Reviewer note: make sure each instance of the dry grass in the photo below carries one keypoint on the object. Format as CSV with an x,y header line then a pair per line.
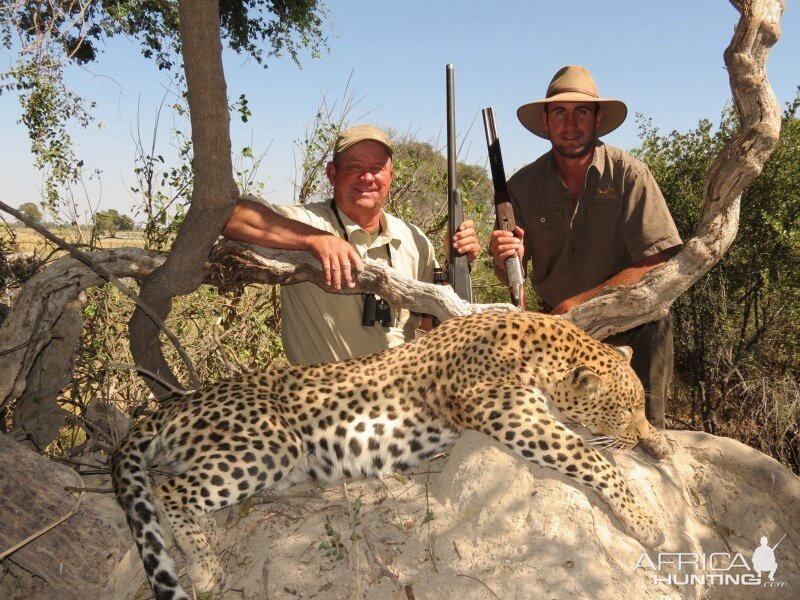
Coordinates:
x,y
27,240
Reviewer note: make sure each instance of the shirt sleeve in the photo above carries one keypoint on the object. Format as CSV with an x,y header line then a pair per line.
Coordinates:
x,y
427,262
648,227
316,214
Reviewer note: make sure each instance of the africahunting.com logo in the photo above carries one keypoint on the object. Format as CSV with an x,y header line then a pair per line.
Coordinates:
x,y
717,568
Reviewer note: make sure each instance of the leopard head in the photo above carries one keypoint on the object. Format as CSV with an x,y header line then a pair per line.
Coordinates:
x,y
607,398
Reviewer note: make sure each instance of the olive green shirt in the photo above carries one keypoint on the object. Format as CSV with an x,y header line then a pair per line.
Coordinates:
x,y
620,219
319,326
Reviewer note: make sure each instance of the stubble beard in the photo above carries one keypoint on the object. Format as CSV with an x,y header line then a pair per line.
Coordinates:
x,y
579,152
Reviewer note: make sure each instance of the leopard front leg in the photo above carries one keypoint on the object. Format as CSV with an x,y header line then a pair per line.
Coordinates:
x,y
519,419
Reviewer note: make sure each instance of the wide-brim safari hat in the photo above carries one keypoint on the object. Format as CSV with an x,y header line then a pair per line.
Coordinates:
x,y
572,83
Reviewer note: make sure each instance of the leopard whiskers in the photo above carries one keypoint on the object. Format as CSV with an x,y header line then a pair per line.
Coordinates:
x,y
606,442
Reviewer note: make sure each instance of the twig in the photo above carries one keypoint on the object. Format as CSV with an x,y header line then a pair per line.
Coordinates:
x,y
141,371
716,525
108,276
93,490
15,348
428,519
265,578
222,353
384,569
43,530
479,581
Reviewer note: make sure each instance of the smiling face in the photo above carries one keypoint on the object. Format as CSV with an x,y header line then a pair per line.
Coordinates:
x,y
361,177
572,127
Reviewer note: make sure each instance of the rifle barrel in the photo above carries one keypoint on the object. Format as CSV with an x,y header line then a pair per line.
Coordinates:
x,y
452,183
458,267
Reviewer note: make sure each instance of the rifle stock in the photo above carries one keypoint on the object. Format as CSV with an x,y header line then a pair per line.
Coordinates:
x,y
503,208
458,265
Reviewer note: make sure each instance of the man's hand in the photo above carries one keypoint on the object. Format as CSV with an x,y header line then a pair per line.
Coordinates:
x,y
505,244
567,305
466,241
338,259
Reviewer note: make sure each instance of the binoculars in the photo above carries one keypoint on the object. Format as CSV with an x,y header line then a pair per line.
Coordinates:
x,y
376,310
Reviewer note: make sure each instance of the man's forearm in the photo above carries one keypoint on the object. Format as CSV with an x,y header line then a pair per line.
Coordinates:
x,y
255,223
630,276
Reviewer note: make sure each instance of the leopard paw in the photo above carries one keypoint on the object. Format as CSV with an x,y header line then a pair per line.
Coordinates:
x,y
645,528
655,444
205,574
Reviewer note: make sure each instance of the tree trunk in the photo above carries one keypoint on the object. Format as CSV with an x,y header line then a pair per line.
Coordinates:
x,y
89,555
214,193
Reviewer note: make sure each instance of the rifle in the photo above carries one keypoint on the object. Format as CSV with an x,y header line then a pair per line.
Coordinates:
x,y
503,208
458,265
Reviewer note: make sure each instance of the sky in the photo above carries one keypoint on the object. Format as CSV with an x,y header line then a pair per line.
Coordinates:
x,y
664,59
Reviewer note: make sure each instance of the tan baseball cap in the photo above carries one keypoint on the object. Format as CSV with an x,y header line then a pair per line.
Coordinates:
x,y
572,83
360,133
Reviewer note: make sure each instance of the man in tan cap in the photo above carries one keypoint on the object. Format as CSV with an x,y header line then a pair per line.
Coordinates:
x,y
320,326
590,216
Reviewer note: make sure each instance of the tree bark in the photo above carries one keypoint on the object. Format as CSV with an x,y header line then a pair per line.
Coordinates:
x,y
85,556
214,193
742,159
28,330
38,415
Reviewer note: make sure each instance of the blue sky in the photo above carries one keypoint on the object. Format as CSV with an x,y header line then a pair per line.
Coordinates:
x,y
664,59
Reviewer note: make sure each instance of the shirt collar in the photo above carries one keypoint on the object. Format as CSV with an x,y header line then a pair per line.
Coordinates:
x,y
387,231
598,160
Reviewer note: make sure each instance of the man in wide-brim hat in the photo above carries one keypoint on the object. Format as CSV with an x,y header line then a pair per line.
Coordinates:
x,y
590,216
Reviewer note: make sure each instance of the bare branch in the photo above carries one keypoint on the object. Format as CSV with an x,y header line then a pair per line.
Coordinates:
x,y
28,327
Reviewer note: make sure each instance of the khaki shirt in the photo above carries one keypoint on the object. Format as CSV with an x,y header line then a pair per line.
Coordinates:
x,y
620,219
319,326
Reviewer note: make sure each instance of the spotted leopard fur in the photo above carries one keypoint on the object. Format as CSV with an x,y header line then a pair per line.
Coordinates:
x,y
491,372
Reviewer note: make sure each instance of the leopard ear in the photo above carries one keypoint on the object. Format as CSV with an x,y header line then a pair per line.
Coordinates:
x,y
583,378
626,351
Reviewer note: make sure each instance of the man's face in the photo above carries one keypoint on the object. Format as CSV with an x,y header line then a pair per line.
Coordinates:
x,y
361,177
572,127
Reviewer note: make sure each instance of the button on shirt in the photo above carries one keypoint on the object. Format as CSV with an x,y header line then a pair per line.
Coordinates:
x,y
620,219
319,326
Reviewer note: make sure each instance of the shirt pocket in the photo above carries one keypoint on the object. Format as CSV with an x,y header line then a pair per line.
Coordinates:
x,y
604,218
546,218
548,234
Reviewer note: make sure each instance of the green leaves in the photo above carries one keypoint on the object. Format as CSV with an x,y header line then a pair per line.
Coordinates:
x,y
737,338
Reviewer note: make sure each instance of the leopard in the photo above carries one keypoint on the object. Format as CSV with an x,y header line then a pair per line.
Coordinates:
x,y
529,380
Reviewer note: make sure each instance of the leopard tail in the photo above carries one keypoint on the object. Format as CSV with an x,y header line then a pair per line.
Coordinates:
x,y
132,488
